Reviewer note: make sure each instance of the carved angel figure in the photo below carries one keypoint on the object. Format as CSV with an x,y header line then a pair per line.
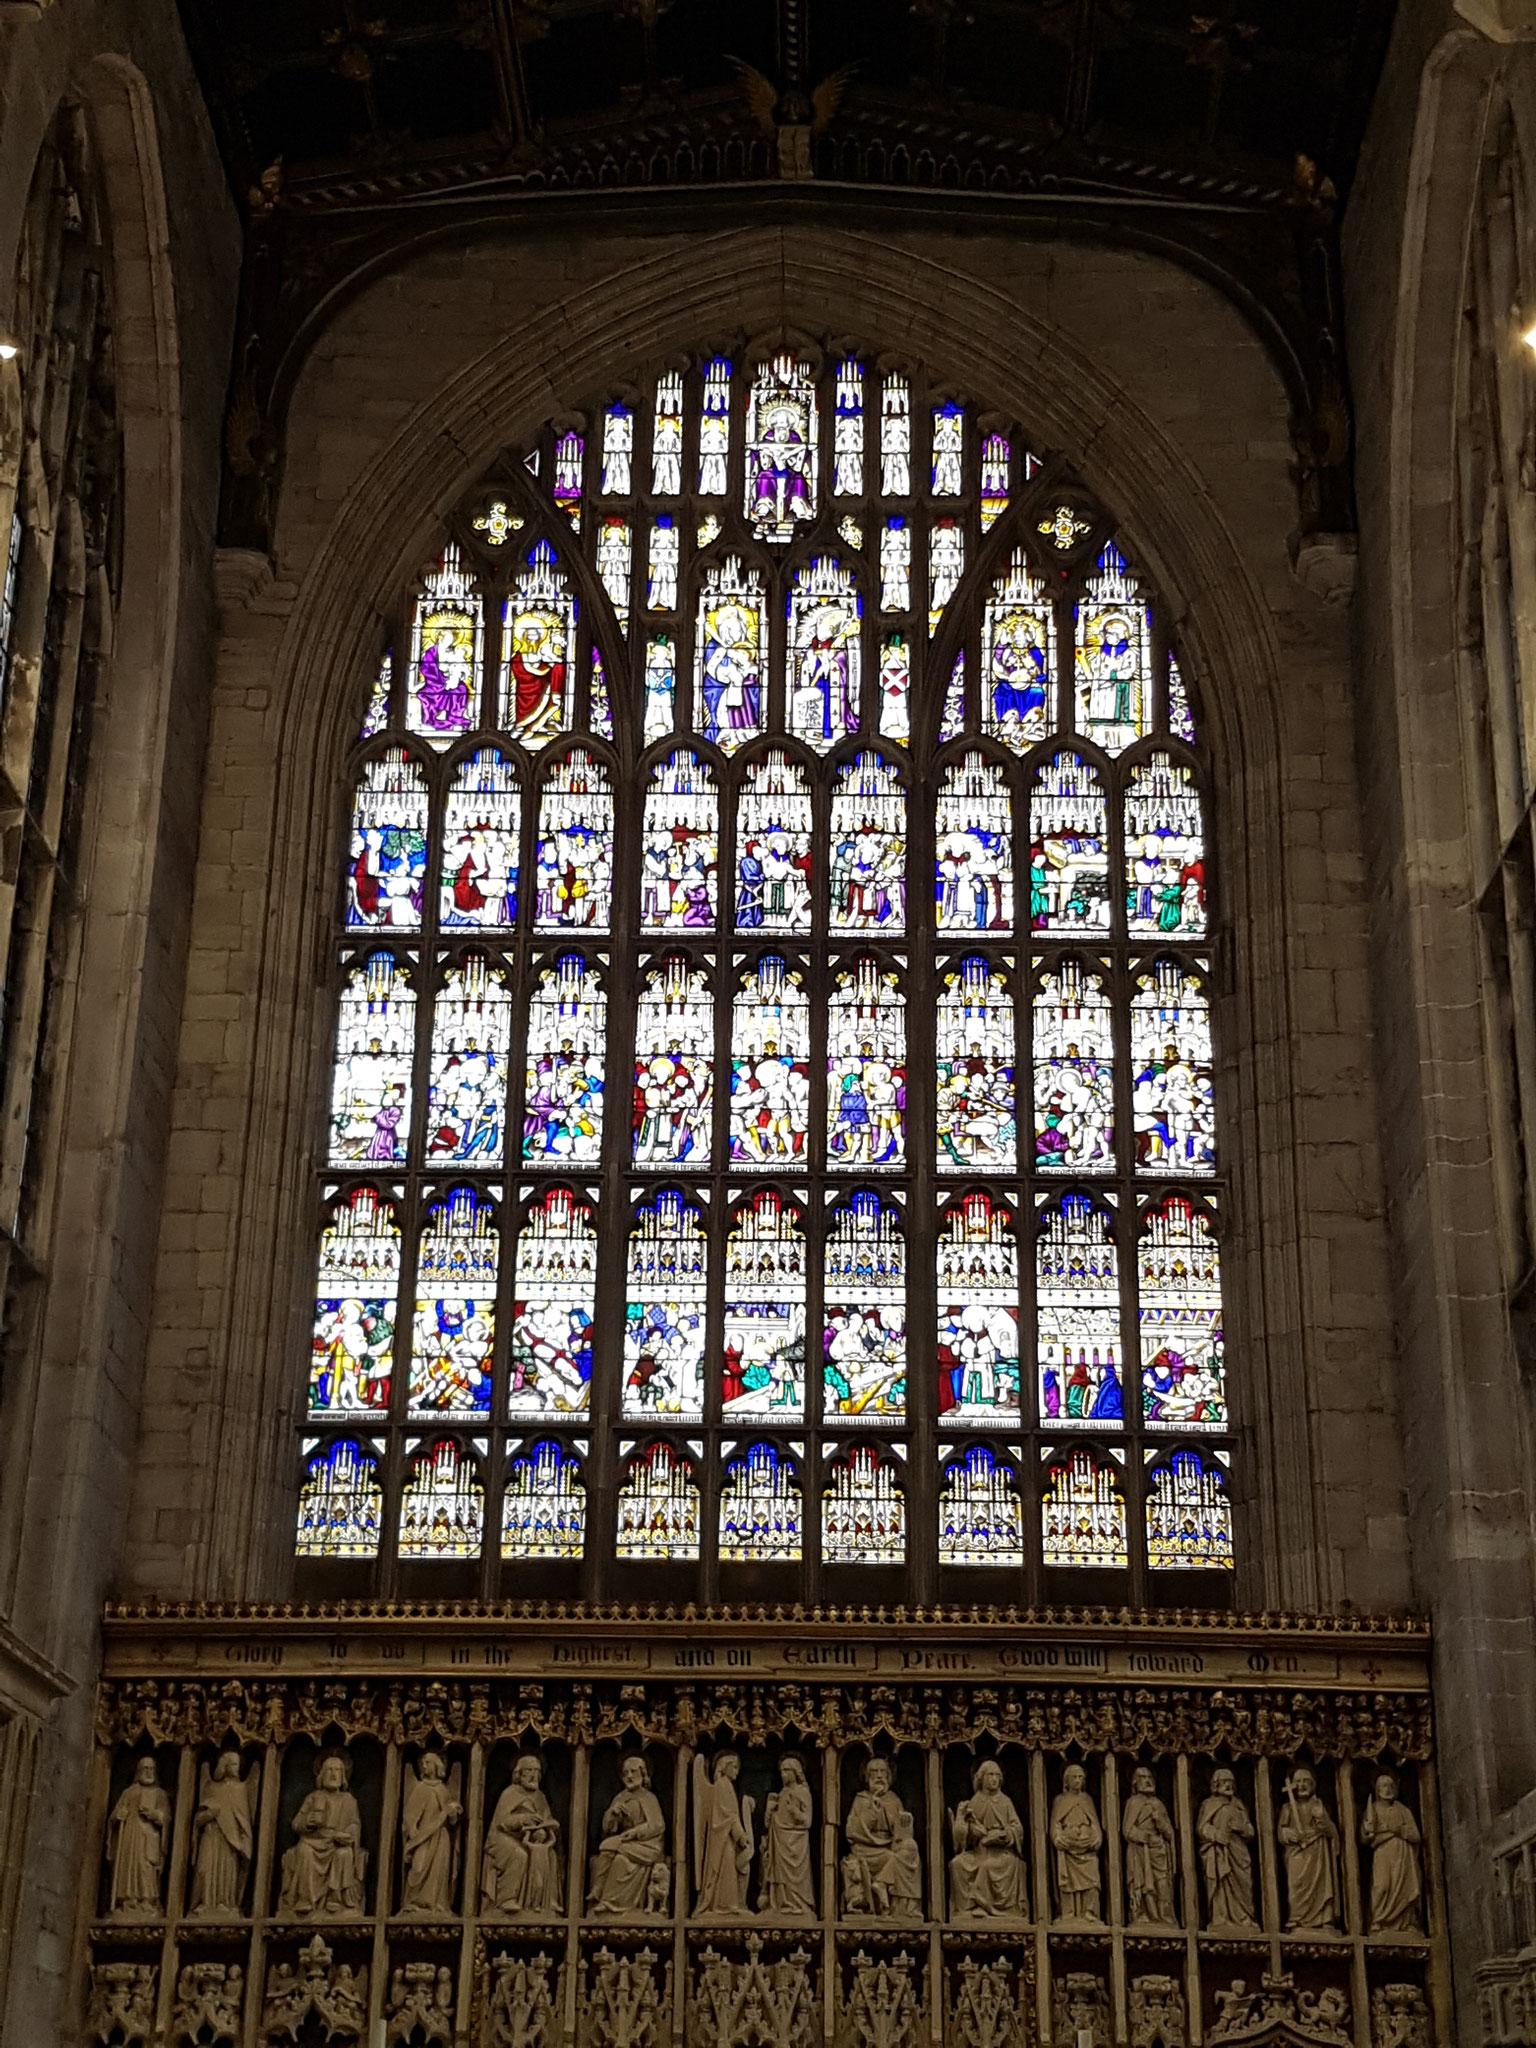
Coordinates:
x,y
223,1837
429,1836
722,1839
882,1872
986,1872
520,1872
323,1872
138,1834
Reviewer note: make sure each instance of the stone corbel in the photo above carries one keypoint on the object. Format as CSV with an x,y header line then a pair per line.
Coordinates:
x,y
1324,563
241,576
1502,21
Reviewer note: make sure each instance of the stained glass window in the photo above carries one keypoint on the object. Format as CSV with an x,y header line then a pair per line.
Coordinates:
x,y
782,448
1018,657
863,1510
544,1504
994,480
658,1507
1082,1513
618,450
773,847
660,686
674,1067
386,873
864,1371
467,1086
1189,1521
1074,1072
354,1330
537,628
567,1036
770,1067
667,437
455,1330
981,1517
371,1077
895,566
661,578
952,719
866,1069
822,689
1068,849
341,1504
973,843
1114,660
730,642
895,687
554,1301
1077,1316
615,558
447,653
760,1508
1182,1375
442,1504
375,718
948,450
715,430
679,846
895,438
1171,1101
574,855
482,836
978,1288
1164,852
869,847
664,1321
975,1115
946,565
848,432
763,1372
566,488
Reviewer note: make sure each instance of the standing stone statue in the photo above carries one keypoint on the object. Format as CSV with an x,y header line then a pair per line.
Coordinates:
x,y
138,1834
323,1872
1149,1855
722,1839
1311,1844
986,1872
520,1872
882,1871
223,1838
1077,1838
632,1849
788,1886
1224,1831
1391,1834
429,1836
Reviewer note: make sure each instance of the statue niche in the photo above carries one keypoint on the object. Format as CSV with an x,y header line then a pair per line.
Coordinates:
x,y
882,1870
323,1872
223,1837
986,1872
520,1874
629,1871
722,1839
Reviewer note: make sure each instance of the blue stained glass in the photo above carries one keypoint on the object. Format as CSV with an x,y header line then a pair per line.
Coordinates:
x,y
848,432
482,823
781,448
974,848
471,1032
352,1353
978,1315
981,1518
674,1067
715,430
340,1503
760,1509
1189,1518
1164,852
442,1504
544,1505
1172,1106
455,1328
665,1317
1077,1317
1183,1381
387,861
948,450
770,1067
553,1306
977,1118
866,1070
730,654
864,1373
895,566
660,685
563,1105
1069,849
773,847
574,856
1018,657
667,437
863,1510
371,1078
680,846
868,882
1082,1514
763,1373
658,1507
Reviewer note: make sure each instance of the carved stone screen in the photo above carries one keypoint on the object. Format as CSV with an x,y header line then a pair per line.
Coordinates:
x,y
771,1149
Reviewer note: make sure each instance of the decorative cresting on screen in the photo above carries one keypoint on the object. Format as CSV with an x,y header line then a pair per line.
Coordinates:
x,y
536,1830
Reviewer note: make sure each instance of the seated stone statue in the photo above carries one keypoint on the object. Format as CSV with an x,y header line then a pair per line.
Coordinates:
x,y
520,1871
323,1872
986,1872
882,1871
632,1850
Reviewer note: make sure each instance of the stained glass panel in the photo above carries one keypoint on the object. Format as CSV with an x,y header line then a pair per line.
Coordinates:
x,y
1189,1519
664,1319
760,1509
538,624
952,718
1114,659
544,1504
618,451
667,437
896,687
442,1505
864,1371
482,827
600,716
770,1067
574,856
895,566
773,847
552,1309
848,432
1182,1375
948,450
1074,1046
447,653
1068,849
1181,722
715,430
781,448
976,1117
376,715
764,1366
1172,1110
679,846
946,565
661,574
563,1103
674,1067
868,882
387,860
822,694
467,1091
728,658
1082,1514
1018,657
994,480
566,487
660,685
615,558
863,1511
981,1518
866,1070
341,1503
456,1265
371,1079
1164,851
978,1315
1077,1316
353,1348
895,438
973,834
658,1507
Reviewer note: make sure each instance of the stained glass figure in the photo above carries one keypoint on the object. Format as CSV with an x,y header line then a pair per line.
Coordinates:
x,y
615,552
851,530
537,626
952,717
728,655
569,451
824,654
371,1079
1074,1055
376,715
387,857
770,1067
447,653
1082,1514
574,854
467,1089
674,1067
341,1503
1018,657
863,1511
848,432
977,1129
760,1509
977,1271
482,828
1114,659
864,1340
946,565
442,1505
715,432
1063,528
896,566
1182,1377
1189,1518
773,847
1068,849
973,843
455,1330
1164,852
665,1315
763,1370
1077,1316
896,687
895,438
552,1308
661,577
498,524
618,451
948,450
994,480
781,448
679,846
544,1504
1172,1111
563,1100
1181,720
667,438
658,1507
866,1070
981,1518
600,716
660,685
352,1354
709,531
868,883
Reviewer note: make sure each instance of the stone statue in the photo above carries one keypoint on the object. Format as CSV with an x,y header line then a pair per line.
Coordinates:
x,y
1391,1834
520,1873
788,1886
138,1834
1311,1844
722,1839
882,1871
323,1872
1077,1838
632,1849
223,1837
429,1836
986,1872
1149,1855
1224,1832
